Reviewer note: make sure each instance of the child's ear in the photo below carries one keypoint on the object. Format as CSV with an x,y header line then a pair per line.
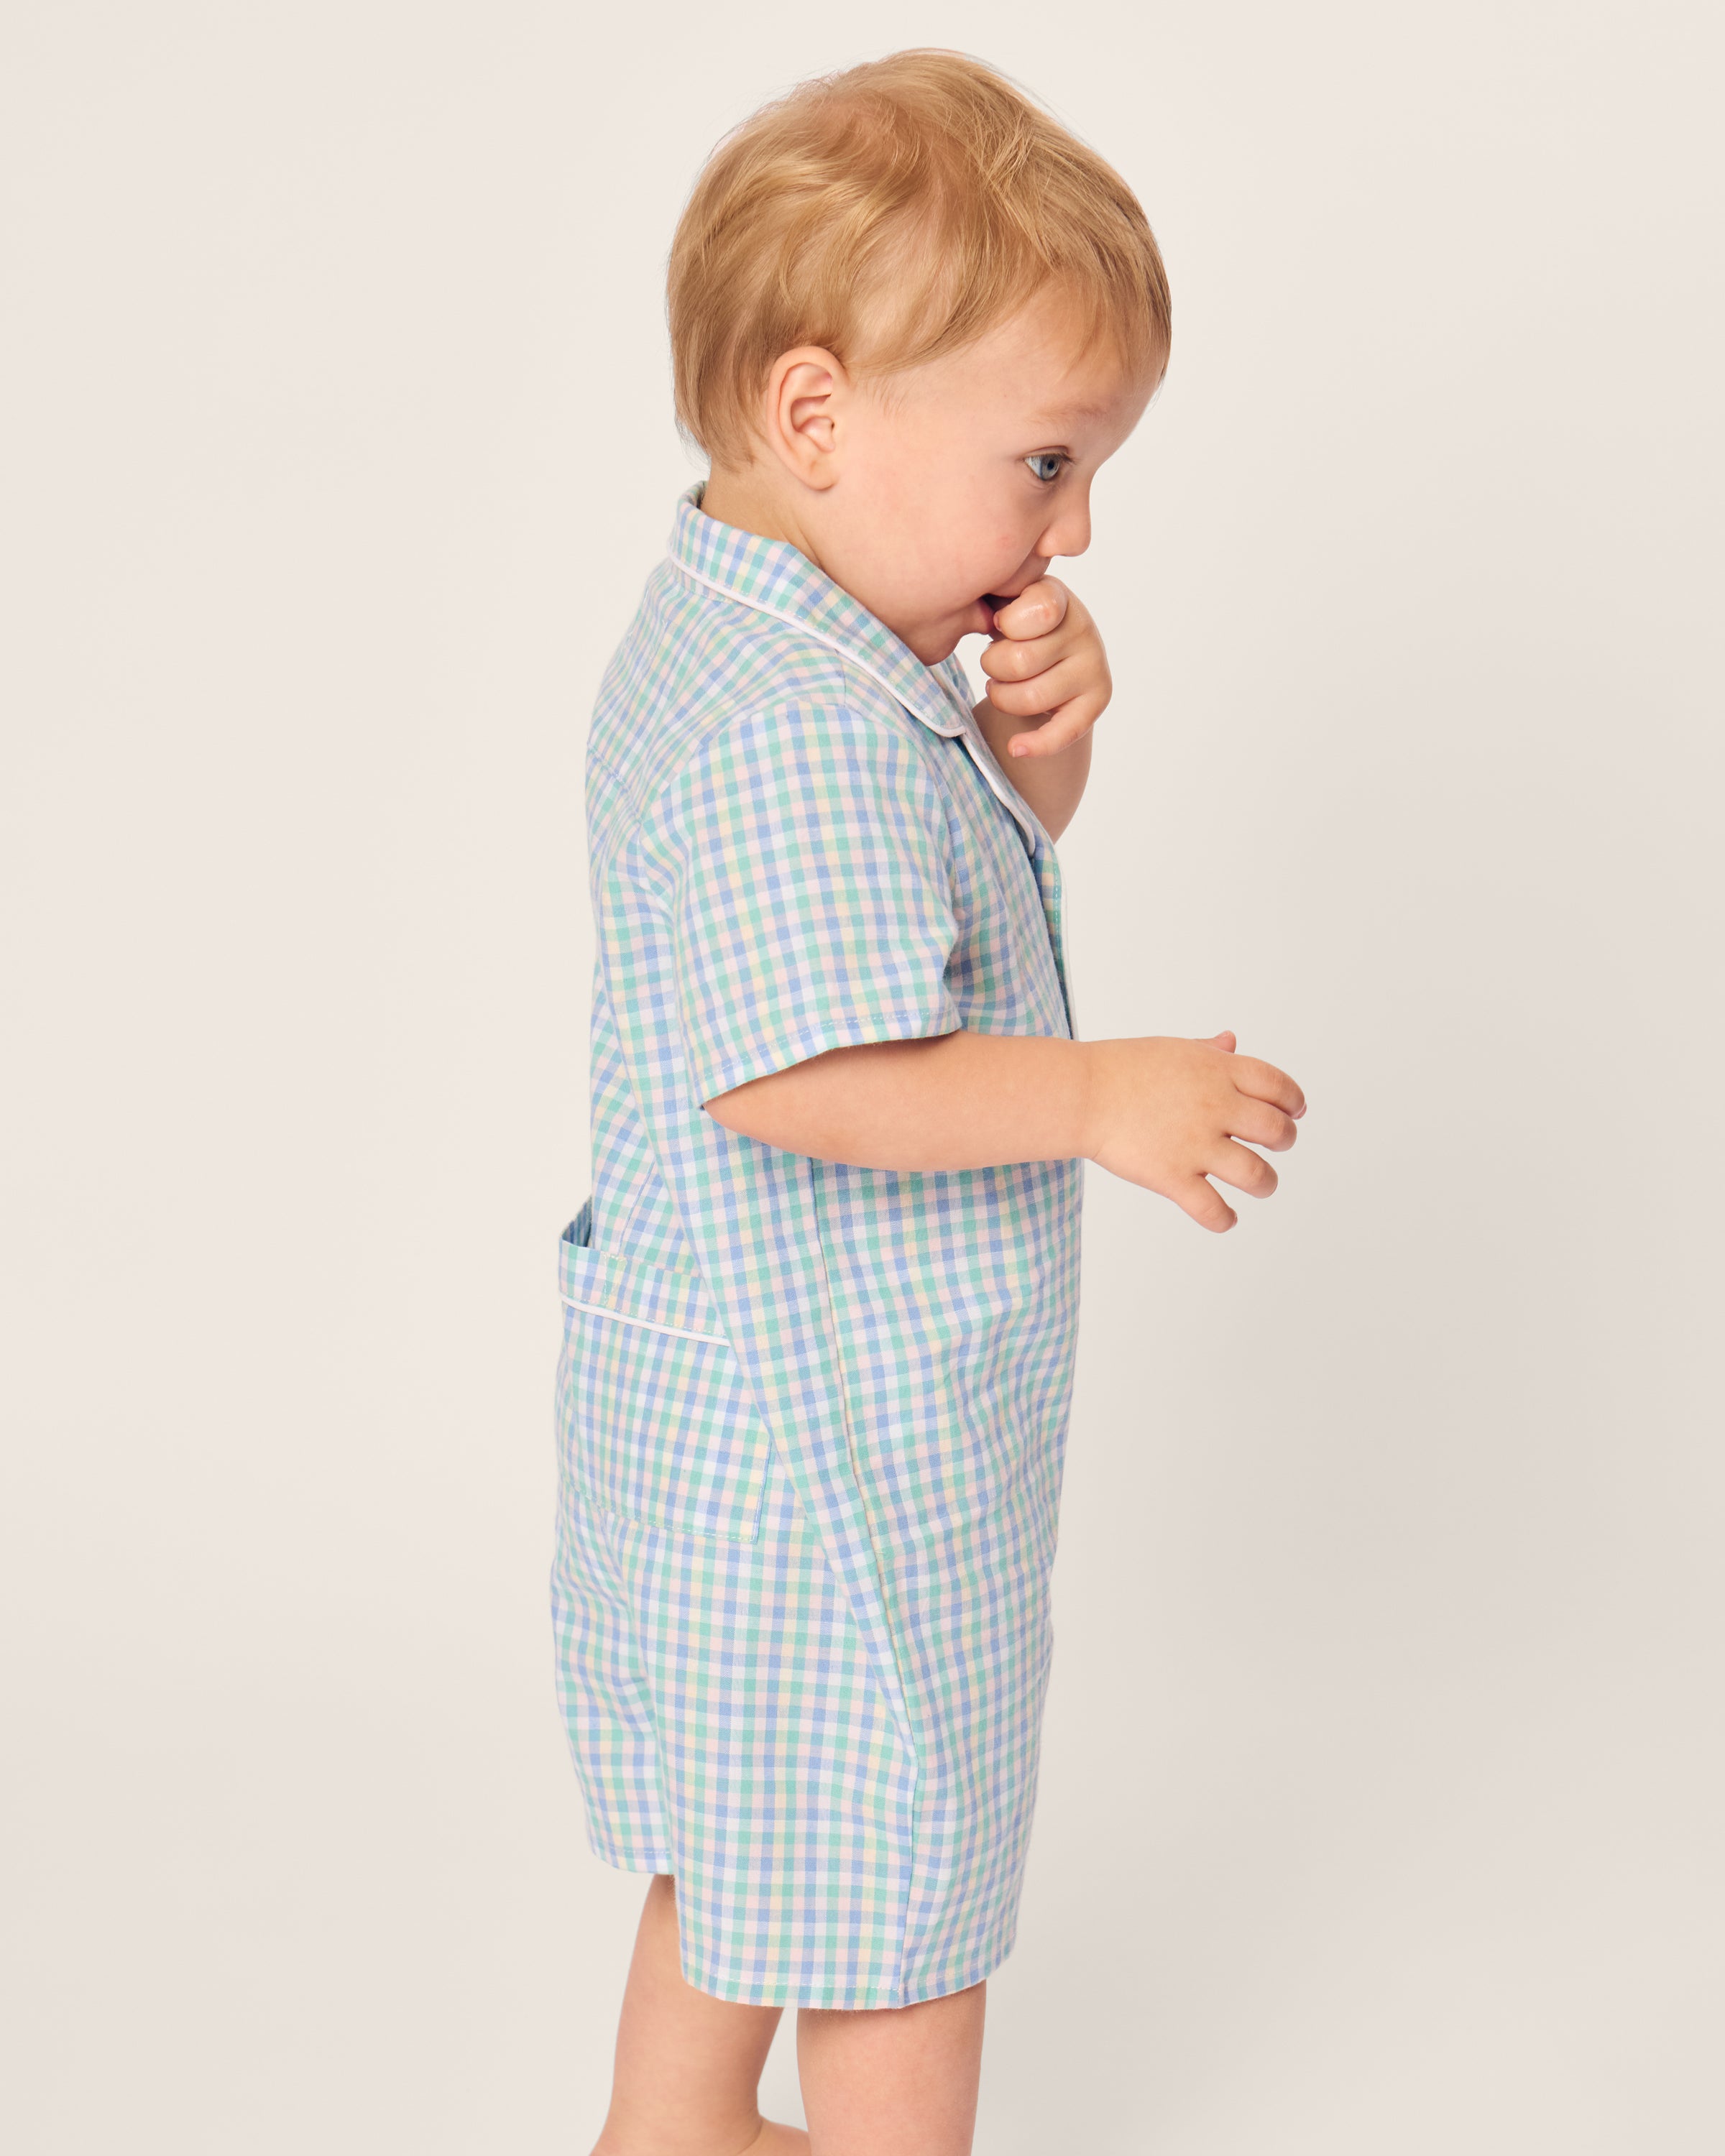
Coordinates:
x,y
803,392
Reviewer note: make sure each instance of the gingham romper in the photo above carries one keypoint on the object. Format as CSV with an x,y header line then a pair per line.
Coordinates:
x,y
811,1417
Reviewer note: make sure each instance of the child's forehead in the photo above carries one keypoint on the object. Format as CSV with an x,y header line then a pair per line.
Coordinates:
x,y
1049,360
1053,393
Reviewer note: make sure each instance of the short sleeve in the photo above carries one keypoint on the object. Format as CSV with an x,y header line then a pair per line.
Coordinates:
x,y
804,855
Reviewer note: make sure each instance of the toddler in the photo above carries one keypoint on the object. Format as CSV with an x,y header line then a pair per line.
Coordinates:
x,y
821,1305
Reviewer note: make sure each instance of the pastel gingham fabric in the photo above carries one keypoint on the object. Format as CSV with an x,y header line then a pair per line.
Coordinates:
x,y
811,1417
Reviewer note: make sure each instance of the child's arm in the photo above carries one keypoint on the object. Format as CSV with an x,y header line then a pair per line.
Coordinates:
x,y
1049,683
1159,1111
800,856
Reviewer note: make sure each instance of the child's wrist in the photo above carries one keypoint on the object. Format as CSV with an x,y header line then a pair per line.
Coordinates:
x,y
1087,1098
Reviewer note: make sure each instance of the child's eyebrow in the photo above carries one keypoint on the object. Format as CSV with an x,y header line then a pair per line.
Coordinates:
x,y
1078,411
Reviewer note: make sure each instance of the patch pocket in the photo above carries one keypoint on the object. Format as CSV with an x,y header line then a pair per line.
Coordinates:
x,y
656,1419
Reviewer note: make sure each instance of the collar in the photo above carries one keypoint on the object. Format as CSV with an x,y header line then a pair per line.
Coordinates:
x,y
775,577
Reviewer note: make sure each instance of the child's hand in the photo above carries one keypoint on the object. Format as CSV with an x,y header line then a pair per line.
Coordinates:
x,y
1166,1113
1046,657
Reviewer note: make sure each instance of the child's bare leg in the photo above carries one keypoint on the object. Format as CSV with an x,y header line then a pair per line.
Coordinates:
x,y
893,2080
688,2064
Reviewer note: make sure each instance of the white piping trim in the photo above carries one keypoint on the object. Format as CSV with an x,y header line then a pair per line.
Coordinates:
x,y
622,1317
1015,808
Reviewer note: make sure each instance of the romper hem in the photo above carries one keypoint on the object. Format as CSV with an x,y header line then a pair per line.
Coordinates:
x,y
790,1993
834,1999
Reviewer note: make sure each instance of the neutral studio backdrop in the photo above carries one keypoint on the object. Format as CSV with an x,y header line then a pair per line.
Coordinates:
x,y
1383,1763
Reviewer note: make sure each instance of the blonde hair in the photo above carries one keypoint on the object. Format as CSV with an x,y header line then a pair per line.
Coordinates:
x,y
891,213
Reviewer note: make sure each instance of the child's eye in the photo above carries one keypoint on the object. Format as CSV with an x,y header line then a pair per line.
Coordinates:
x,y
1047,456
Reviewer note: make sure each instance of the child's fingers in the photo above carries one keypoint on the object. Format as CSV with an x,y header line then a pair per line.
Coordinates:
x,y
1036,610
1046,691
1004,659
1204,1204
1242,1167
1058,731
1265,1082
1259,1122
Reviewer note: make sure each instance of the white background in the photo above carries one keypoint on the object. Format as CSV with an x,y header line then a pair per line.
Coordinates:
x,y
1383,1767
